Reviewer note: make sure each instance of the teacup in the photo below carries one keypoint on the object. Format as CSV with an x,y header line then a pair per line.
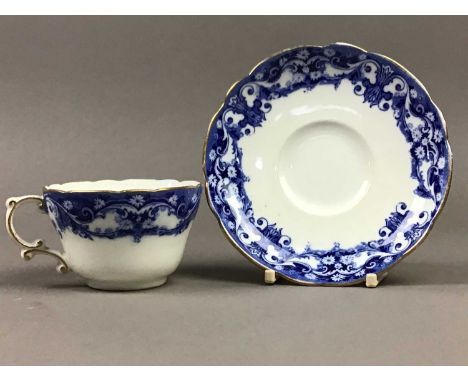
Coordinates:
x,y
117,235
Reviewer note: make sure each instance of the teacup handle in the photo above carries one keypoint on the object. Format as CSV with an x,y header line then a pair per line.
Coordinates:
x,y
30,249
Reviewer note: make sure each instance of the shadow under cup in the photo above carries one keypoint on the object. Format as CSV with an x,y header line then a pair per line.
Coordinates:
x,y
122,235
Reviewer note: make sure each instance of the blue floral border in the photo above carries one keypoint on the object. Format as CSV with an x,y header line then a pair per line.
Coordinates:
x,y
381,84
120,214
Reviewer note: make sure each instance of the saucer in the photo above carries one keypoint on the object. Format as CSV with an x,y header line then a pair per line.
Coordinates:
x,y
325,164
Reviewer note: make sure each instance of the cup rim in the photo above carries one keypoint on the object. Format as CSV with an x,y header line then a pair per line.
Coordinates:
x,y
92,186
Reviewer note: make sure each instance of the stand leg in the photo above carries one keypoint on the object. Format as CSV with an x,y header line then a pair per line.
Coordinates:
x,y
373,279
270,276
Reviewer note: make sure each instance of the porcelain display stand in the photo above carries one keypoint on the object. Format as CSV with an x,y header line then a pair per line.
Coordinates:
x,y
270,277
372,279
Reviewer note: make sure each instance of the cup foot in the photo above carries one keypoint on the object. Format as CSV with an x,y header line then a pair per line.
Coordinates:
x,y
126,285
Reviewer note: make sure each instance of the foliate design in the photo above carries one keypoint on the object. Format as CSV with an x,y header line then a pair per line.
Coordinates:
x,y
112,215
381,84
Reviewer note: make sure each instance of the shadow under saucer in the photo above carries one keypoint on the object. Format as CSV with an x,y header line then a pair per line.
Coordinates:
x,y
404,274
428,274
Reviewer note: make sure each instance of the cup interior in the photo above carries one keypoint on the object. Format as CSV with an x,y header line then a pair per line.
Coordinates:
x,y
109,185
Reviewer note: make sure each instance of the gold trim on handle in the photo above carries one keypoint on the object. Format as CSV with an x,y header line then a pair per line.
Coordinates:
x,y
37,247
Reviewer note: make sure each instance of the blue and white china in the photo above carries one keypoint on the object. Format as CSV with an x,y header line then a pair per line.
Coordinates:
x,y
117,235
327,163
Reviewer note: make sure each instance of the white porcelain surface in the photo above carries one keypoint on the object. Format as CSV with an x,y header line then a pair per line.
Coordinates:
x,y
118,235
332,167
121,264
122,185
327,163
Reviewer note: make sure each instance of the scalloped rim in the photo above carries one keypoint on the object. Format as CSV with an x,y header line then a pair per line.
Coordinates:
x,y
281,275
